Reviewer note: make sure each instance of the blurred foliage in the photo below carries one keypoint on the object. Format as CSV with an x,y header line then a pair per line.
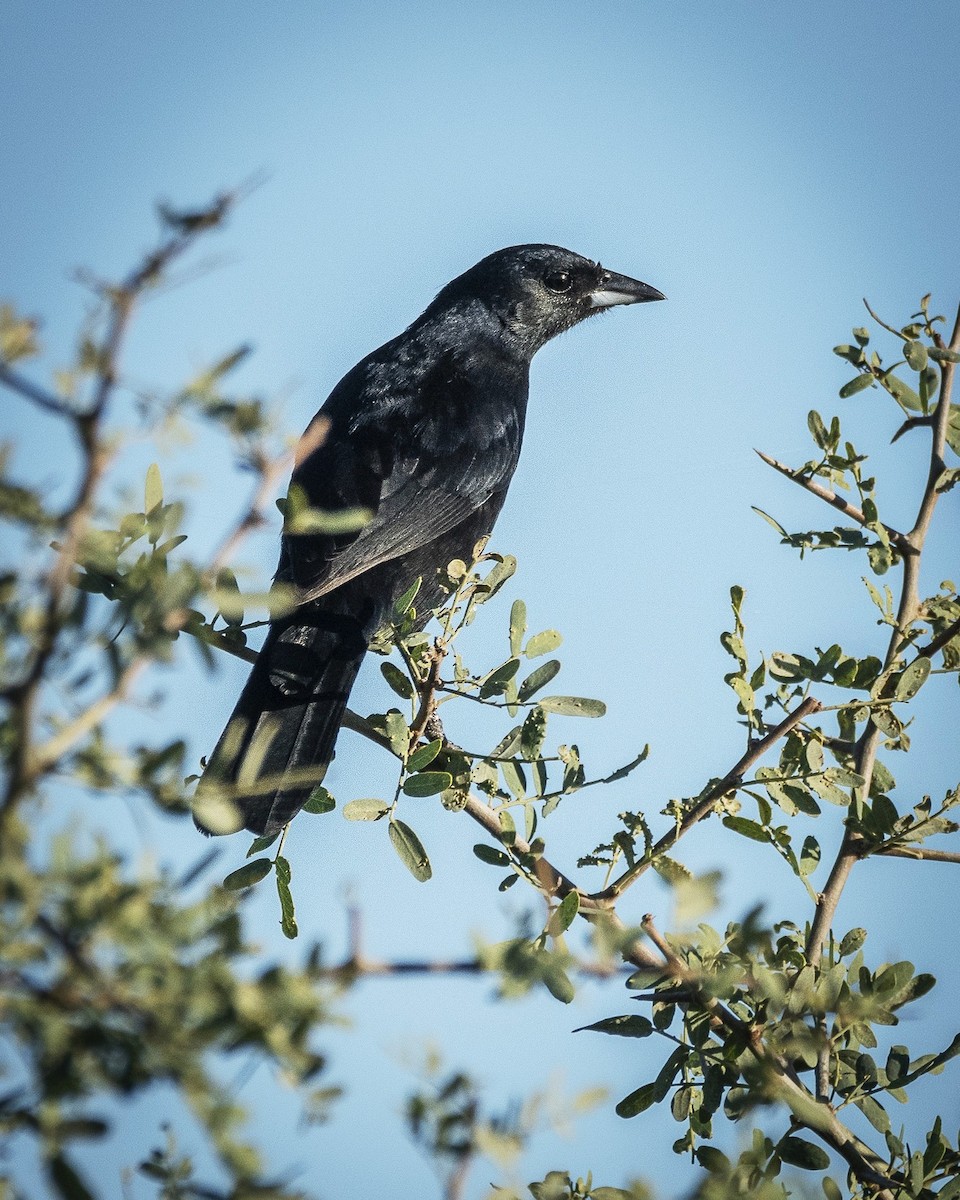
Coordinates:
x,y
119,976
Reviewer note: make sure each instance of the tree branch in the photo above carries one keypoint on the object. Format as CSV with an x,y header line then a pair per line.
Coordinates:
x,y
850,848
705,806
942,638
33,392
900,540
121,301
946,856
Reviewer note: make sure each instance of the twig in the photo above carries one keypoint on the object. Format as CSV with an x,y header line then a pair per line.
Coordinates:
x,y
46,755
428,693
901,541
946,856
705,806
31,391
883,325
942,638
357,964
270,470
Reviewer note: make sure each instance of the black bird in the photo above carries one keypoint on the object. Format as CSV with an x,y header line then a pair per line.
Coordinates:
x,y
425,434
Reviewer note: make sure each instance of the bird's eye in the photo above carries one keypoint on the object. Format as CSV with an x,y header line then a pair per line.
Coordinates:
x,y
558,281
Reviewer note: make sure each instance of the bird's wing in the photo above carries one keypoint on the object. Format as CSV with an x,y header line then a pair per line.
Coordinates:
x,y
415,495
408,518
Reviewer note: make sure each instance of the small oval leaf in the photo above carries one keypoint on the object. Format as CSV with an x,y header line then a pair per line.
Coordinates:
x,y
573,706
800,1153
423,756
542,643
638,1101
367,809
320,801
625,1026
427,783
491,855
916,355
396,679
410,849
249,874
913,678
537,679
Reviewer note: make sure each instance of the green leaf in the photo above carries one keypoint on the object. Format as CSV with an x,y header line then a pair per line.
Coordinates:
x,y
408,597
857,384
905,396
367,809
831,1189
746,828
713,1160
638,1101
827,790
258,845
280,600
558,984
410,849
249,874
514,778
533,732
557,1185
288,920
491,855
565,914
874,1112
427,783
800,1153
397,680
518,627
913,678
852,941
152,489
496,682
542,643
320,801
498,576
537,679
573,706
809,856
423,756
771,521
916,355
626,1026
817,429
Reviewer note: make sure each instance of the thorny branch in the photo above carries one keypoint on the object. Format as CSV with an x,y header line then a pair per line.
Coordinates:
x,y
901,541
849,850
707,803
121,302
910,546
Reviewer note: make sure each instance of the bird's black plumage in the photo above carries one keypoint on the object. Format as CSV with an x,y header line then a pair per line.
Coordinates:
x,y
425,434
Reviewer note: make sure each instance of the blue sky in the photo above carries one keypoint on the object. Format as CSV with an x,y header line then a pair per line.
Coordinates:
x,y
766,166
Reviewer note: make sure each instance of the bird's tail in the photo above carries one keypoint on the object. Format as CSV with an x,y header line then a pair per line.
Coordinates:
x,y
279,741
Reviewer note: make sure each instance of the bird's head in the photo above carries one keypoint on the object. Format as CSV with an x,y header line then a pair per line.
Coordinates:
x,y
538,291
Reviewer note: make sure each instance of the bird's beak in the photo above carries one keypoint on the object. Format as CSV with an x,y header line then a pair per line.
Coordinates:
x,y
621,289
